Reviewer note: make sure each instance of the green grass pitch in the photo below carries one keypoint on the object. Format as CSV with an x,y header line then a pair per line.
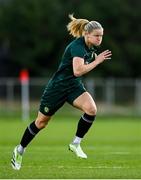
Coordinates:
x,y
113,146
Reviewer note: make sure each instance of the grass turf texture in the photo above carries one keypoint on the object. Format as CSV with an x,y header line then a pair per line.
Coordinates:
x,y
113,146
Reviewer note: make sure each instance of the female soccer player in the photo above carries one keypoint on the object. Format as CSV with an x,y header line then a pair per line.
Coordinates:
x,y
66,86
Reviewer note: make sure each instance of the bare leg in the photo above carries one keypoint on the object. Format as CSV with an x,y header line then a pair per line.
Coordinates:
x,y
85,103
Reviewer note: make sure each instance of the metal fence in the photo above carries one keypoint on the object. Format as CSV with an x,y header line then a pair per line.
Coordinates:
x,y
112,96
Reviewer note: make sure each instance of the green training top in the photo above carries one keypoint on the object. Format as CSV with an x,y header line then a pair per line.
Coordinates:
x,y
64,75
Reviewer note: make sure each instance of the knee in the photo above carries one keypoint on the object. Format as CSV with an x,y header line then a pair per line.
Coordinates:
x,y
42,122
91,110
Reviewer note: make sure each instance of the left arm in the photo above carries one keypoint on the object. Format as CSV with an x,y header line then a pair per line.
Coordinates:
x,y
80,68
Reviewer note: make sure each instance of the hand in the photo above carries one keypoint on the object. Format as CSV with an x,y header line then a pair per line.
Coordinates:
x,y
103,56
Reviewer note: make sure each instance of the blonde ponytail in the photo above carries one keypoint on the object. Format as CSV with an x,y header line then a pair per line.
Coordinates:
x,y
76,26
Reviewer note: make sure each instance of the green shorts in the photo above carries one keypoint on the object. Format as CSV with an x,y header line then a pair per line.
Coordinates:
x,y
55,96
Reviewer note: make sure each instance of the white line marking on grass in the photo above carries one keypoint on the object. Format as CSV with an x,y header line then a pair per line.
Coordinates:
x,y
82,167
94,167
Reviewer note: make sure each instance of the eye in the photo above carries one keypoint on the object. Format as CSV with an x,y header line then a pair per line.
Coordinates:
x,y
99,35
96,35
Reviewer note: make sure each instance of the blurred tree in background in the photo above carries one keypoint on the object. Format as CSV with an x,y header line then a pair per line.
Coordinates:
x,y
33,34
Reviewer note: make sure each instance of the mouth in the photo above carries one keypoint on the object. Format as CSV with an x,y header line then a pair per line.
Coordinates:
x,y
98,42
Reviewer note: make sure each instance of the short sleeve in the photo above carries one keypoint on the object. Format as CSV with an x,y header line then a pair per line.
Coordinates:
x,y
77,51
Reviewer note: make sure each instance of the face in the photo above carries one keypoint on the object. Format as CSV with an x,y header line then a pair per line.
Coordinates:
x,y
95,37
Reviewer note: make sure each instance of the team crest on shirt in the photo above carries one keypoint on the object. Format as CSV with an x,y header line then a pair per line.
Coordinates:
x,y
46,109
89,57
93,54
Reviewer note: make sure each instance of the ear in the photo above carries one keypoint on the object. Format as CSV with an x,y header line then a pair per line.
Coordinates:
x,y
87,34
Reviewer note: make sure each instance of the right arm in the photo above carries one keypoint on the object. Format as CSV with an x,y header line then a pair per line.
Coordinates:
x,y
80,68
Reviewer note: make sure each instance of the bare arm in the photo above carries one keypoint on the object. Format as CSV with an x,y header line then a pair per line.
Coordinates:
x,y
80,68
